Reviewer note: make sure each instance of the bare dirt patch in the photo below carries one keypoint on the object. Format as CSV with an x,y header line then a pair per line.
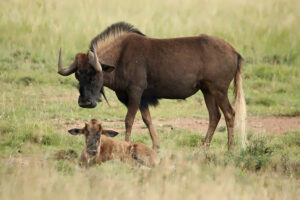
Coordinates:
x,y
272,124
275,125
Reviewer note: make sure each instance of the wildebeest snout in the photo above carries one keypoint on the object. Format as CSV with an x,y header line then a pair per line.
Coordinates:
x,y
87,102
92,152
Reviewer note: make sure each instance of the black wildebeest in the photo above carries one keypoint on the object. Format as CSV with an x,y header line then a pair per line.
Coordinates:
x,y
142,70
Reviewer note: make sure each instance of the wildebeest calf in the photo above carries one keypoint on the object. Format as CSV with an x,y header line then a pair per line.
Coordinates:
x,y
100,147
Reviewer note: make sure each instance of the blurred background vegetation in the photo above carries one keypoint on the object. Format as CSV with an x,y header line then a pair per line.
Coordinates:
x,y
262,31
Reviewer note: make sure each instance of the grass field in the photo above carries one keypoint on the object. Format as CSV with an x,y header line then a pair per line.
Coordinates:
x,y
37,106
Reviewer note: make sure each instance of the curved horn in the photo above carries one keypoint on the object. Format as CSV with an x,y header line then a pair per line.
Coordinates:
x,y
93,60
66,72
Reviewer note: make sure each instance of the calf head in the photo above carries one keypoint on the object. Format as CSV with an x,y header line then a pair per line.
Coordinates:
x,y
92,132
88,71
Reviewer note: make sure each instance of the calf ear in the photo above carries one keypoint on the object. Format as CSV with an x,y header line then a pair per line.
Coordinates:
x,y
110,133
75,131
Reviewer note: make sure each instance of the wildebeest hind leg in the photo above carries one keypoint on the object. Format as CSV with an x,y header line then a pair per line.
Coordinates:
x,y
223,102
214,117
147,120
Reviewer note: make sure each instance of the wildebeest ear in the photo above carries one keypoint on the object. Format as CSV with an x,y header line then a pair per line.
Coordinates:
x,y
107,68
110,133
75,131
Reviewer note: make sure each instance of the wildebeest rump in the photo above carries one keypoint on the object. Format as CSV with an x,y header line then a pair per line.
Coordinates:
x,y
141,70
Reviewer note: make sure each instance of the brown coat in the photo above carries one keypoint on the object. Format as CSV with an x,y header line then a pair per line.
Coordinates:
x,y
129,152
141,70
100,147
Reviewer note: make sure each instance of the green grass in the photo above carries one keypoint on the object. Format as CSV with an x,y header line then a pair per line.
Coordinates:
x,y
269,166
37,106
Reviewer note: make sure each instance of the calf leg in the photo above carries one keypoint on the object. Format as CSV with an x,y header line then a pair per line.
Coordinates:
x,y
223,102
214,117
147,120
134,98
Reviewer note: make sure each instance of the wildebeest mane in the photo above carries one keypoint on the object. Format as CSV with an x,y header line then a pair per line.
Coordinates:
x,y
113,31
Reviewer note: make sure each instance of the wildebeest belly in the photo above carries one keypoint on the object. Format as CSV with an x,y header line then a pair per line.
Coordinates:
x,y
172,87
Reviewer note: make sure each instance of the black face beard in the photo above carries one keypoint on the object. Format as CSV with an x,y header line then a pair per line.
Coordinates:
x,y
103,94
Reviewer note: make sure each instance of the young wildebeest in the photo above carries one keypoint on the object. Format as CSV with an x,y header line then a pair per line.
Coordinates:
x,y
142,70
100,147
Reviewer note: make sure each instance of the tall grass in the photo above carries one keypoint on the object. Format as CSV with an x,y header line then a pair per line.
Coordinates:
x,y
184,180
263,31
263,170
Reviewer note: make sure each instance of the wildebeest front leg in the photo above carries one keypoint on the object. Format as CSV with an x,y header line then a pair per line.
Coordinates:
x,y
214,117
134,98
147,120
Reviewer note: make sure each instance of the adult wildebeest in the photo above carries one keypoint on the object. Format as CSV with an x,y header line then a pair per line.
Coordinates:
x,y
142,70
100,147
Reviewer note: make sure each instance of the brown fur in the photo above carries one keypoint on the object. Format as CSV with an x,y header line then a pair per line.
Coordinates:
x,y
142,70
111,149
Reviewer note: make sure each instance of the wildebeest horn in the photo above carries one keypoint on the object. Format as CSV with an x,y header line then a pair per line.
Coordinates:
x,y
93,60
66,72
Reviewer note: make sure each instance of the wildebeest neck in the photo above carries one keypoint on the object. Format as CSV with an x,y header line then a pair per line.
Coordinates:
x,y
109,80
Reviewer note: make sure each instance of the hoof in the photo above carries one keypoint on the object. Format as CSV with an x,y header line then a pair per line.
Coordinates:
x,y
156,147
205,146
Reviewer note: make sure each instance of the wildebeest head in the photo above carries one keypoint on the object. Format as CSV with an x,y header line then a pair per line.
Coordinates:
x,y
92,132
88,71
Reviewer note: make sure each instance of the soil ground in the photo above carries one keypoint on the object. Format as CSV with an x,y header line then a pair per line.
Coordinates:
x,y
271,125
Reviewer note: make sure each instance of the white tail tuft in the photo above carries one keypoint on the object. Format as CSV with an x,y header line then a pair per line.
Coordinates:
x,y
240,105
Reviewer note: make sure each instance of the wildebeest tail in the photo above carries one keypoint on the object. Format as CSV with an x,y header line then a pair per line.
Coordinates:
x,y
240,104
